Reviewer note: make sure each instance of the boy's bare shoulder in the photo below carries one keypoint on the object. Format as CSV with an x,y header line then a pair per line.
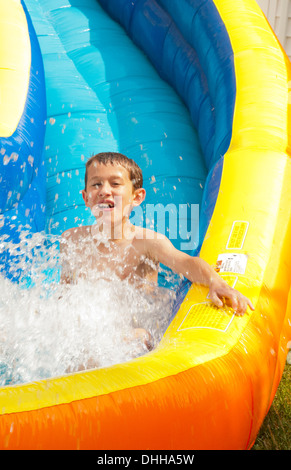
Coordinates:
x,y
148,241
148,235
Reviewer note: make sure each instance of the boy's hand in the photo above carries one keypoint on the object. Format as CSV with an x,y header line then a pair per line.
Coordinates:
x,y
221,293
144,336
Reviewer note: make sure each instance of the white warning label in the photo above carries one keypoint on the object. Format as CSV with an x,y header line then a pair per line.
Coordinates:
x,y
232,263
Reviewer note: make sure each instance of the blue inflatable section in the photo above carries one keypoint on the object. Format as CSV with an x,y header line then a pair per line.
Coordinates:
x,y
23,175
151,79
104,94
189,46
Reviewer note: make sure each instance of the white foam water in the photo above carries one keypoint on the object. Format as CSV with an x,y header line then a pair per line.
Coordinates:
x,y
50,329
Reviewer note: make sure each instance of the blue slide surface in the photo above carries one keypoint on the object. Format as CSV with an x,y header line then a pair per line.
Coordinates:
x,y
125,76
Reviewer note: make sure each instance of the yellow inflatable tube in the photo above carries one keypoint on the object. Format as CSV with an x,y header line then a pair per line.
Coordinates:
x,y
14,66
212,379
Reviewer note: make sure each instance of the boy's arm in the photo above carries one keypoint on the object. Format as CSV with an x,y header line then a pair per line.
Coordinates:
x,y
198,271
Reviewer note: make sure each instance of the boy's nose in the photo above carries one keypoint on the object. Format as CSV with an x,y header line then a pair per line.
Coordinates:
x,y
105,189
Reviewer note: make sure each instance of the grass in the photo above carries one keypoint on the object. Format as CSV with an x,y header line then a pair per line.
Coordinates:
x,y
275,433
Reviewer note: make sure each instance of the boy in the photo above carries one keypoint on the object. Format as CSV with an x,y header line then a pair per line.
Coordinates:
x,y
113,187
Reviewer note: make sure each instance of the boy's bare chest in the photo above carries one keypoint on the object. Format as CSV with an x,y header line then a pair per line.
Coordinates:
x,y
123,261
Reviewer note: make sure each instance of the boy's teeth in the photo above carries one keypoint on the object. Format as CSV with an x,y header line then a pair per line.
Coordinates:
x,y
105,206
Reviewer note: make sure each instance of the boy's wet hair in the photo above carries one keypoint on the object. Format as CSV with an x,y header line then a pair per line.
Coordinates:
x,y
112,158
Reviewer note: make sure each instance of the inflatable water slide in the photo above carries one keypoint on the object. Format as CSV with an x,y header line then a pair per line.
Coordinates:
x,y
197,92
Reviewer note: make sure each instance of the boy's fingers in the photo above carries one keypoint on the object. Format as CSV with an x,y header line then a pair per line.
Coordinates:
x,y
238,302
216,300
235,303
251,305
232,300
242,305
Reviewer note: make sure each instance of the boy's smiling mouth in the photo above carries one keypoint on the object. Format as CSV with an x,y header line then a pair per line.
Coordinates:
x,y
106,205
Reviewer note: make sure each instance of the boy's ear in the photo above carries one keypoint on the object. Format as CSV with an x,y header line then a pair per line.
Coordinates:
x,y
139,196
85,196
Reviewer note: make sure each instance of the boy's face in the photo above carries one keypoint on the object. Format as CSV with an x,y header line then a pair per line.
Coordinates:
x,y
110,193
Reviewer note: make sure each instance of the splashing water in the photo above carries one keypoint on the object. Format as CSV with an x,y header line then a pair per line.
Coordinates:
x,y
50,329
